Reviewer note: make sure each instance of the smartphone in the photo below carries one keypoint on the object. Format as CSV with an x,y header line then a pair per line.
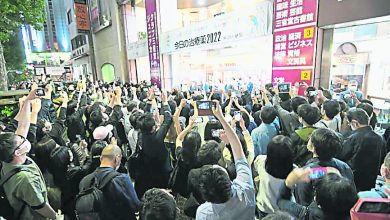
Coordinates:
x,y
257,92
313,93
189,102
215,133
284,87
237,116
40,92
316,173
205,108
198,120
145,89
301,84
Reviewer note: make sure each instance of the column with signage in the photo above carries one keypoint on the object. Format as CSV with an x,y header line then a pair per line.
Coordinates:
x,y
295,34
153,42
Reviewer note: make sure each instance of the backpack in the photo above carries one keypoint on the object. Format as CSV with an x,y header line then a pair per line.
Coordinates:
x,y
6,210
90,202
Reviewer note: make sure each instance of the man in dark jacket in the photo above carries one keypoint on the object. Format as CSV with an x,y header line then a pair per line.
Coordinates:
x,y
308,116
120,197
324,143
156,164
363,150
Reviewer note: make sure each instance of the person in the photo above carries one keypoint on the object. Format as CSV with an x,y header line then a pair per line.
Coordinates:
x,y
68,169
308,116
227,200
158,204
335,196
268,129
383,182
26,190
289,120
119,195
56,130
352,96
155,156
363,150
330,111
187,146
324,144
272,169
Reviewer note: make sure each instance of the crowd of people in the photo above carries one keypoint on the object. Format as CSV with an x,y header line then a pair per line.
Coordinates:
x,y
123,151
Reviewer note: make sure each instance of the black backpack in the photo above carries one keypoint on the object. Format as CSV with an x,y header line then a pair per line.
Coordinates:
x,y
6,210
90,202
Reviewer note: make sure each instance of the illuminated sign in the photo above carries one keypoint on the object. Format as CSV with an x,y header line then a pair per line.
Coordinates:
x,y
50,59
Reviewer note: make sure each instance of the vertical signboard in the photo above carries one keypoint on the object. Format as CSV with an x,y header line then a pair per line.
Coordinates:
x,y
295,34
153,42
82,18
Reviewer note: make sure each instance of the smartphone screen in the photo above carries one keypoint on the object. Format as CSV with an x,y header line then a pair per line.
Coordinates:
x,y
316,173
284,87
204,105
40,92
205,108
215,133
237,116
198,120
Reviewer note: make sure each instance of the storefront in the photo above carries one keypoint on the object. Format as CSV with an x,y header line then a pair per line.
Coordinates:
x,y
355,46
232,45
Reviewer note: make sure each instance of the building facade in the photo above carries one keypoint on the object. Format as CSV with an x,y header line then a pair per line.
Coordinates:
x,y
49,49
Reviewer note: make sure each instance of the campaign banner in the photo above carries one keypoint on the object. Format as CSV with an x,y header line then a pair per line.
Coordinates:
x,y
294,47
153,42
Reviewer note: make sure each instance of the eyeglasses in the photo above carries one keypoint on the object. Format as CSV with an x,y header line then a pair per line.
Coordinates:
x,y
24,141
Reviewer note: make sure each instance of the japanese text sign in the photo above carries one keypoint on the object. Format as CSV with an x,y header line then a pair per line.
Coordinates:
x,y
294,47
82,17
153,42
290,13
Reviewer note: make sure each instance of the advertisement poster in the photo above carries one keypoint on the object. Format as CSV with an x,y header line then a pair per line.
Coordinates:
x,y
153,42
295,34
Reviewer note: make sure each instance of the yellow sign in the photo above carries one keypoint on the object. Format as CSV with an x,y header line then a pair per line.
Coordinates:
x,y
308,32
305,74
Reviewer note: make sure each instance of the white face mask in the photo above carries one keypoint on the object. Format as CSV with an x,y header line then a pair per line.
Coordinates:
x,y
353,88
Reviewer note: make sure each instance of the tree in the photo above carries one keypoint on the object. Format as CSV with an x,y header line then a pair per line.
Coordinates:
x,y
14,54
13,14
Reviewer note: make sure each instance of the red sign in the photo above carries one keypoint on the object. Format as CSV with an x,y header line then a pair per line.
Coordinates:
x,y
82,19
294,47
290,13
295,35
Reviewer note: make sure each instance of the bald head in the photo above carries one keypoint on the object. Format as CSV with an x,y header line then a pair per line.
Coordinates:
x,y
111,151
111,156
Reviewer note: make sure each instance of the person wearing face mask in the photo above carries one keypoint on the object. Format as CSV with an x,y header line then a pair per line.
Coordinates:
x,y
25,190
352,96
363,150
121,201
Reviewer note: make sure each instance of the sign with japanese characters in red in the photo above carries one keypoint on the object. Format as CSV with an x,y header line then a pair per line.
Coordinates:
x,y
153,42
294,47
295,34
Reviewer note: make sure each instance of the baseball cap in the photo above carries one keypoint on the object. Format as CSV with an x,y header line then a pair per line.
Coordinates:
x,y
101,132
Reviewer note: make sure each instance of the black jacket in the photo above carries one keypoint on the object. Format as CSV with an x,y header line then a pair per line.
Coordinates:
x,y
304,192
364,151
157,167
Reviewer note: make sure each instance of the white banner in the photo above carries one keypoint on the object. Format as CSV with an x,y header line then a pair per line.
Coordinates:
x,y
255,22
